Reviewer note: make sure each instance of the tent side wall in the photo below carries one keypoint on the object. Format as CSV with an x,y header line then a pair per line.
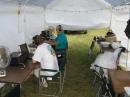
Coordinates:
x,y
34,21
119,21
78,14
10,34
18,27
79,20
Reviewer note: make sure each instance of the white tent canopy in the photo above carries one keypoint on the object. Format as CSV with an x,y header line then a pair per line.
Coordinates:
x,y
78,14
20,20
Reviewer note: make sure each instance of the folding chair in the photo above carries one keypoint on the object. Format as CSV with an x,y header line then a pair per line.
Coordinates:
x,y
96,77
55,80
105,89
90,51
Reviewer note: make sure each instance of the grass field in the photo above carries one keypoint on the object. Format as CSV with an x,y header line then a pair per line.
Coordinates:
x,y
78,82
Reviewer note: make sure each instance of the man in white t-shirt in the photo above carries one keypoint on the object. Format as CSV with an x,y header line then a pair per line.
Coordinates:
x,y
47,58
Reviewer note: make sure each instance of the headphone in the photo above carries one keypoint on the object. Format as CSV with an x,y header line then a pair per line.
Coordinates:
x,y
60,28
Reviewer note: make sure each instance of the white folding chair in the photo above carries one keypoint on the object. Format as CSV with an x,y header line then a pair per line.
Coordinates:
x,y
52,80
90,51
105,89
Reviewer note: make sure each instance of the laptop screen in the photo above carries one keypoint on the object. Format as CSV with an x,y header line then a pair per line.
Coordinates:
x,y
24,48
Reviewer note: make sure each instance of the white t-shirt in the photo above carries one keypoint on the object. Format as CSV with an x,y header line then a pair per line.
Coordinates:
x,y
47,57
106,60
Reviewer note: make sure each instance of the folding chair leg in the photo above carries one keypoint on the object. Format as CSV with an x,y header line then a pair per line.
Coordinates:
x,y
99,92
105,95
60,84
94,81
110,94
39,84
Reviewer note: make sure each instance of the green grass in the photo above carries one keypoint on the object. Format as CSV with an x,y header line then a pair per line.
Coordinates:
x,y
79,77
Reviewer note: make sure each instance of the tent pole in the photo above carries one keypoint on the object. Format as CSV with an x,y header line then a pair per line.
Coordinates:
x,y
25,35
44,22
111,18
24,12
18,13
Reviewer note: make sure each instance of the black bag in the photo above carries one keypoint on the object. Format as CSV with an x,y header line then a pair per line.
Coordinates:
x,y
127,29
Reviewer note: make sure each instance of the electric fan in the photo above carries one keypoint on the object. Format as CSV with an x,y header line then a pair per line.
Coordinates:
x,y
4,60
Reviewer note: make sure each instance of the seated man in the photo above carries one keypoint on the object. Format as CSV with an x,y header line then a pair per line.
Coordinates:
x,y
109,33
50,37
110,36
35,40
47,58
90,51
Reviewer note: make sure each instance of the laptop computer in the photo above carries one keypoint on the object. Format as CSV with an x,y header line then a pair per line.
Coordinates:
x,y
20,57
24,50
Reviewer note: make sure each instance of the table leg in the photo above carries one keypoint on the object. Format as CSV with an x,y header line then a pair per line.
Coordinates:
x,y
15,92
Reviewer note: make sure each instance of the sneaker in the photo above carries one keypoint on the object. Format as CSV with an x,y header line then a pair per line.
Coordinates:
x,y
44,83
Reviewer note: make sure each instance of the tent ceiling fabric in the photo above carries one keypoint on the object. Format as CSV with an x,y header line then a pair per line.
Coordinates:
x,y
44,3
78,14
77,5
33,16
41,3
